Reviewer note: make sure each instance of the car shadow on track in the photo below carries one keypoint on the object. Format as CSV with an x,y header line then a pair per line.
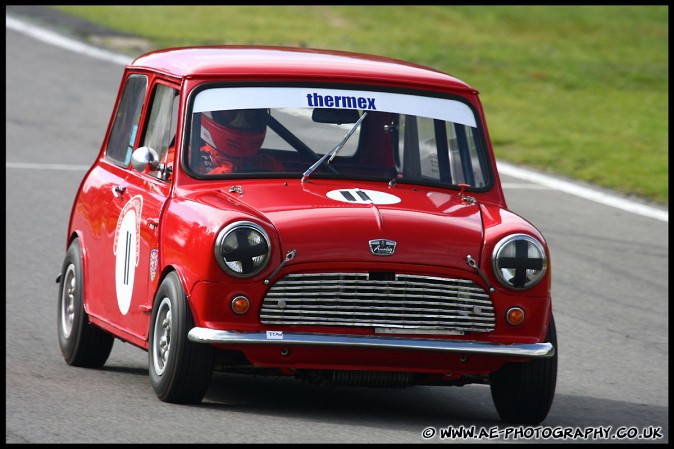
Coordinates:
x,y
418,407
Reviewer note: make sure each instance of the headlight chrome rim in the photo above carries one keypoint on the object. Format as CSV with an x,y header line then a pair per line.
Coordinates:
x,y
229,265
532,274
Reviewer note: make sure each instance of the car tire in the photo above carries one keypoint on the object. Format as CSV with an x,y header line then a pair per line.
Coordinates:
x,y
180,370
523,392
82,343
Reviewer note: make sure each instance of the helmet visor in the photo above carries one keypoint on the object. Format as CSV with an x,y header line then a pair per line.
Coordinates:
x,y
242,119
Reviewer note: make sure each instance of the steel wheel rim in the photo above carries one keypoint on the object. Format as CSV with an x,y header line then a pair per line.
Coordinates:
x,y
68,301
161,348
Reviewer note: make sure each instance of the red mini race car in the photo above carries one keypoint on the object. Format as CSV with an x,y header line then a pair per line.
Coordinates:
x,y
331,216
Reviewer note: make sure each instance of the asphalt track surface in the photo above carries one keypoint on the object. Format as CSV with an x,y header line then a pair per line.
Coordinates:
x,y
610,298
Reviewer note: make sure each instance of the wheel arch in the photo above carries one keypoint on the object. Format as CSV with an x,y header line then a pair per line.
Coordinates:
x,y
84,253
183,283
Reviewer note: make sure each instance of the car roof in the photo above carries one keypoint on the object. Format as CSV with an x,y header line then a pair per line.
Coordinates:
x,y
288,62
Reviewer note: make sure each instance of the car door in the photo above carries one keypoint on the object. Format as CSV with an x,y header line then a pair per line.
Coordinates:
x,y
103,198
135,247
123,261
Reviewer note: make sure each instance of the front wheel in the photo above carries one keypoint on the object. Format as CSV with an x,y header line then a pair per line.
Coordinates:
x,y
180,370
82,343
523,392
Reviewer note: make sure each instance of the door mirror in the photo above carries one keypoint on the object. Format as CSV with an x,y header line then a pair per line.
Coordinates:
x,y
144,157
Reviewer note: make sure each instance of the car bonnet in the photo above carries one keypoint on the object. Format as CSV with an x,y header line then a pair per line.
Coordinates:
x,y
330,221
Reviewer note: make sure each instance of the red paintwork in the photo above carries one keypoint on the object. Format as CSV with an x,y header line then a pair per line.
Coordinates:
x,y
278,63
327,235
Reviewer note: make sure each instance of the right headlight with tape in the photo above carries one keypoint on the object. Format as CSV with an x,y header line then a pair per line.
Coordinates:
x,y
242,249
519,261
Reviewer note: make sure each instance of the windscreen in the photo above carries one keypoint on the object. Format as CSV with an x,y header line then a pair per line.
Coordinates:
x,y
334,133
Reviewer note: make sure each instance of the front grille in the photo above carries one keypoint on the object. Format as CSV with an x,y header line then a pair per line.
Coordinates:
x,y
397,301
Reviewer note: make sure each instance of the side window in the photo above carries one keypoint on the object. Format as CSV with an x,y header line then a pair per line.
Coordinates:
x,y
125,126
162,123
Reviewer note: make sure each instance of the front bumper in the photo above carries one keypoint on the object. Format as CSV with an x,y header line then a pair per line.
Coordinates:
x,y
213,336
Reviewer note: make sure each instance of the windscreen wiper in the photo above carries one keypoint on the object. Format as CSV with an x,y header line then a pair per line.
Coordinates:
x,y
332,153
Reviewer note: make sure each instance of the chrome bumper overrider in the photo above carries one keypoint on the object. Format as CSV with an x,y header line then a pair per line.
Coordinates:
x,y
205,335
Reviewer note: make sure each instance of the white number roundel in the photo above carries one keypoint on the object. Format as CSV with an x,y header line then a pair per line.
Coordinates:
x,y
126,249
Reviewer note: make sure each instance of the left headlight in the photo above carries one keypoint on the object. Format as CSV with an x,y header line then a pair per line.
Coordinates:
x,y
242,249
519,261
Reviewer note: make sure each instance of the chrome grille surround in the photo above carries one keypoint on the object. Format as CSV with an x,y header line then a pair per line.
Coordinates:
x,y
405,302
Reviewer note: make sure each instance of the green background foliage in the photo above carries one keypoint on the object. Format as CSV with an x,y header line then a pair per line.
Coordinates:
x,y
580,91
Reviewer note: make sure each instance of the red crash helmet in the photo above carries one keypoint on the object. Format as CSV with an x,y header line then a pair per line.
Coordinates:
x,y
237,133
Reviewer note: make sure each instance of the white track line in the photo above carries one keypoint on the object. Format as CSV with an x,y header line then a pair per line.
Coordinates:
x,y
30,166
505,168
59,40
583,192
